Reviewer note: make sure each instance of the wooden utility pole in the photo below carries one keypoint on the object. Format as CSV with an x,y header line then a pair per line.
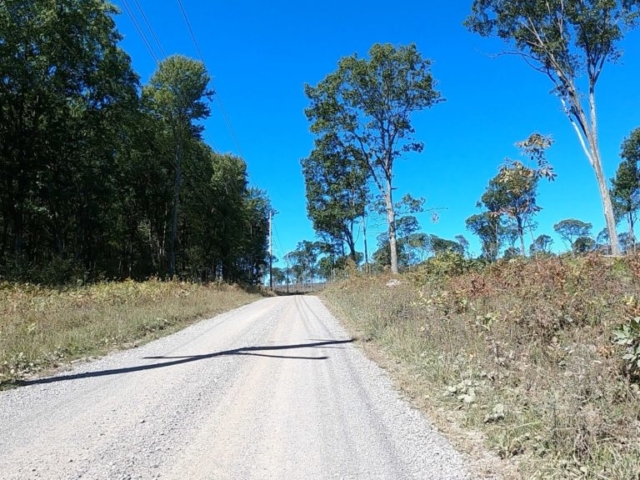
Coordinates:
x,y
271,249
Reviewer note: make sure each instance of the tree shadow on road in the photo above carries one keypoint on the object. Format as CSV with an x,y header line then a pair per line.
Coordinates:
x,y
249,351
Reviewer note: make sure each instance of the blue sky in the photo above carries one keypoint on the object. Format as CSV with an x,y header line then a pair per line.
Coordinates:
x,y
260,55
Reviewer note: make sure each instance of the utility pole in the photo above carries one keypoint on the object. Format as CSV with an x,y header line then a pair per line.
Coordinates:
x,y
271,249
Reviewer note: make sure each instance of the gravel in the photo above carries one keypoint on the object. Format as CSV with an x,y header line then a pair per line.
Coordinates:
x,y
272,390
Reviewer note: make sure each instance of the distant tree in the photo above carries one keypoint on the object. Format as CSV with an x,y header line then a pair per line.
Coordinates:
x,y
512,193
627,242
416,246
177,94
602,239
279,276
464,243
569,41
440,246
490,231
336,190
542,244
512,252
571,229
367,105
583,245
625,186
304,260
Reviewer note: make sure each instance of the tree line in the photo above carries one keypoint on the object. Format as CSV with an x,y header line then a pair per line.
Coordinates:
x,y
101,177
361,117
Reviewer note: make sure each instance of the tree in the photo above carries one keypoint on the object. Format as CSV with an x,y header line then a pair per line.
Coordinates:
x,y
625,186
583,245
490,230
336,189
571,229
512,193
464,243
176,94
66,89
367,105
304,260
440,246
542,244
569,41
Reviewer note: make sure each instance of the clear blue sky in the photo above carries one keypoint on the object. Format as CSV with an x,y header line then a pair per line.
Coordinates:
x,y
260,55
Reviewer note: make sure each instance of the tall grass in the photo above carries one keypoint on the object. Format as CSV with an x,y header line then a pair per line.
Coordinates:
x,y
43,328
521,351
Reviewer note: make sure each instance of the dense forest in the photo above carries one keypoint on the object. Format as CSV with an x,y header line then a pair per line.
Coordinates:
x,y
102,177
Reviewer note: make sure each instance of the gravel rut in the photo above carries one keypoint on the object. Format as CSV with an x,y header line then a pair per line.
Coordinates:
x,y
272,390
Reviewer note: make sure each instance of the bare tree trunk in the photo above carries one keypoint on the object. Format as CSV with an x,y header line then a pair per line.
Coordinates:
x,y
607,204
632,234
364,236
523,250
391,219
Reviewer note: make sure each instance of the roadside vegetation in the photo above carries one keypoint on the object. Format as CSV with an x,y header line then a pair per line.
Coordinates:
x,y
44,328
541,355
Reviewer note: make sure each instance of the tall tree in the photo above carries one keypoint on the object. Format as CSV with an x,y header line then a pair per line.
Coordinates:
x,y
569,41
367,105
336,189
177,93
66,88
625,186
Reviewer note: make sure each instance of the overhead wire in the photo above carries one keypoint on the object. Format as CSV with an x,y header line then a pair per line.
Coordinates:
x,y
153,33
200,194
137,26
217,96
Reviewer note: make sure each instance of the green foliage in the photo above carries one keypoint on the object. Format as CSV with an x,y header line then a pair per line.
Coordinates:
x,y
570,230
91,171
303,261
511,195
366,106
570,41
491,232
625,186
628,335
542,244
336,189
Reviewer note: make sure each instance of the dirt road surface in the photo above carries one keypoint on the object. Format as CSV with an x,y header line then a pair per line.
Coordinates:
x,y
272,390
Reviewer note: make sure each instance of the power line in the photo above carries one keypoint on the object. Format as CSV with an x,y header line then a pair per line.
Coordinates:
x,y
193,37
137,26
217,96
153,33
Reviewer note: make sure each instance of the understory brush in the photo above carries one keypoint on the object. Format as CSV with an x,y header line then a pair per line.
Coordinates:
x,y
541,355
42,328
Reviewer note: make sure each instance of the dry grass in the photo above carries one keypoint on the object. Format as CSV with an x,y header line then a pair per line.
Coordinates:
x,y
520,351
43,328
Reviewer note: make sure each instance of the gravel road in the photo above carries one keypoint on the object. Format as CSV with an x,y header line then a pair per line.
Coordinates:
x,y
272,390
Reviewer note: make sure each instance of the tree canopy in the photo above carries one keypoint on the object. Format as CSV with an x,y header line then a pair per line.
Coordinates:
x,y
91,164
367,106
570,42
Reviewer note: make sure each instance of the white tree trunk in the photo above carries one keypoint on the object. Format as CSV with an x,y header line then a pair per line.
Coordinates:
x,y
391,219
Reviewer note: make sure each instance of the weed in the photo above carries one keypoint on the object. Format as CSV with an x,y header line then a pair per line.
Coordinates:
x,y
520,350
43,328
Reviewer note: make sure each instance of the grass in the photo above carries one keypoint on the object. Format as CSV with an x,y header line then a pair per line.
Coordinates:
x,y
45,328
518,354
